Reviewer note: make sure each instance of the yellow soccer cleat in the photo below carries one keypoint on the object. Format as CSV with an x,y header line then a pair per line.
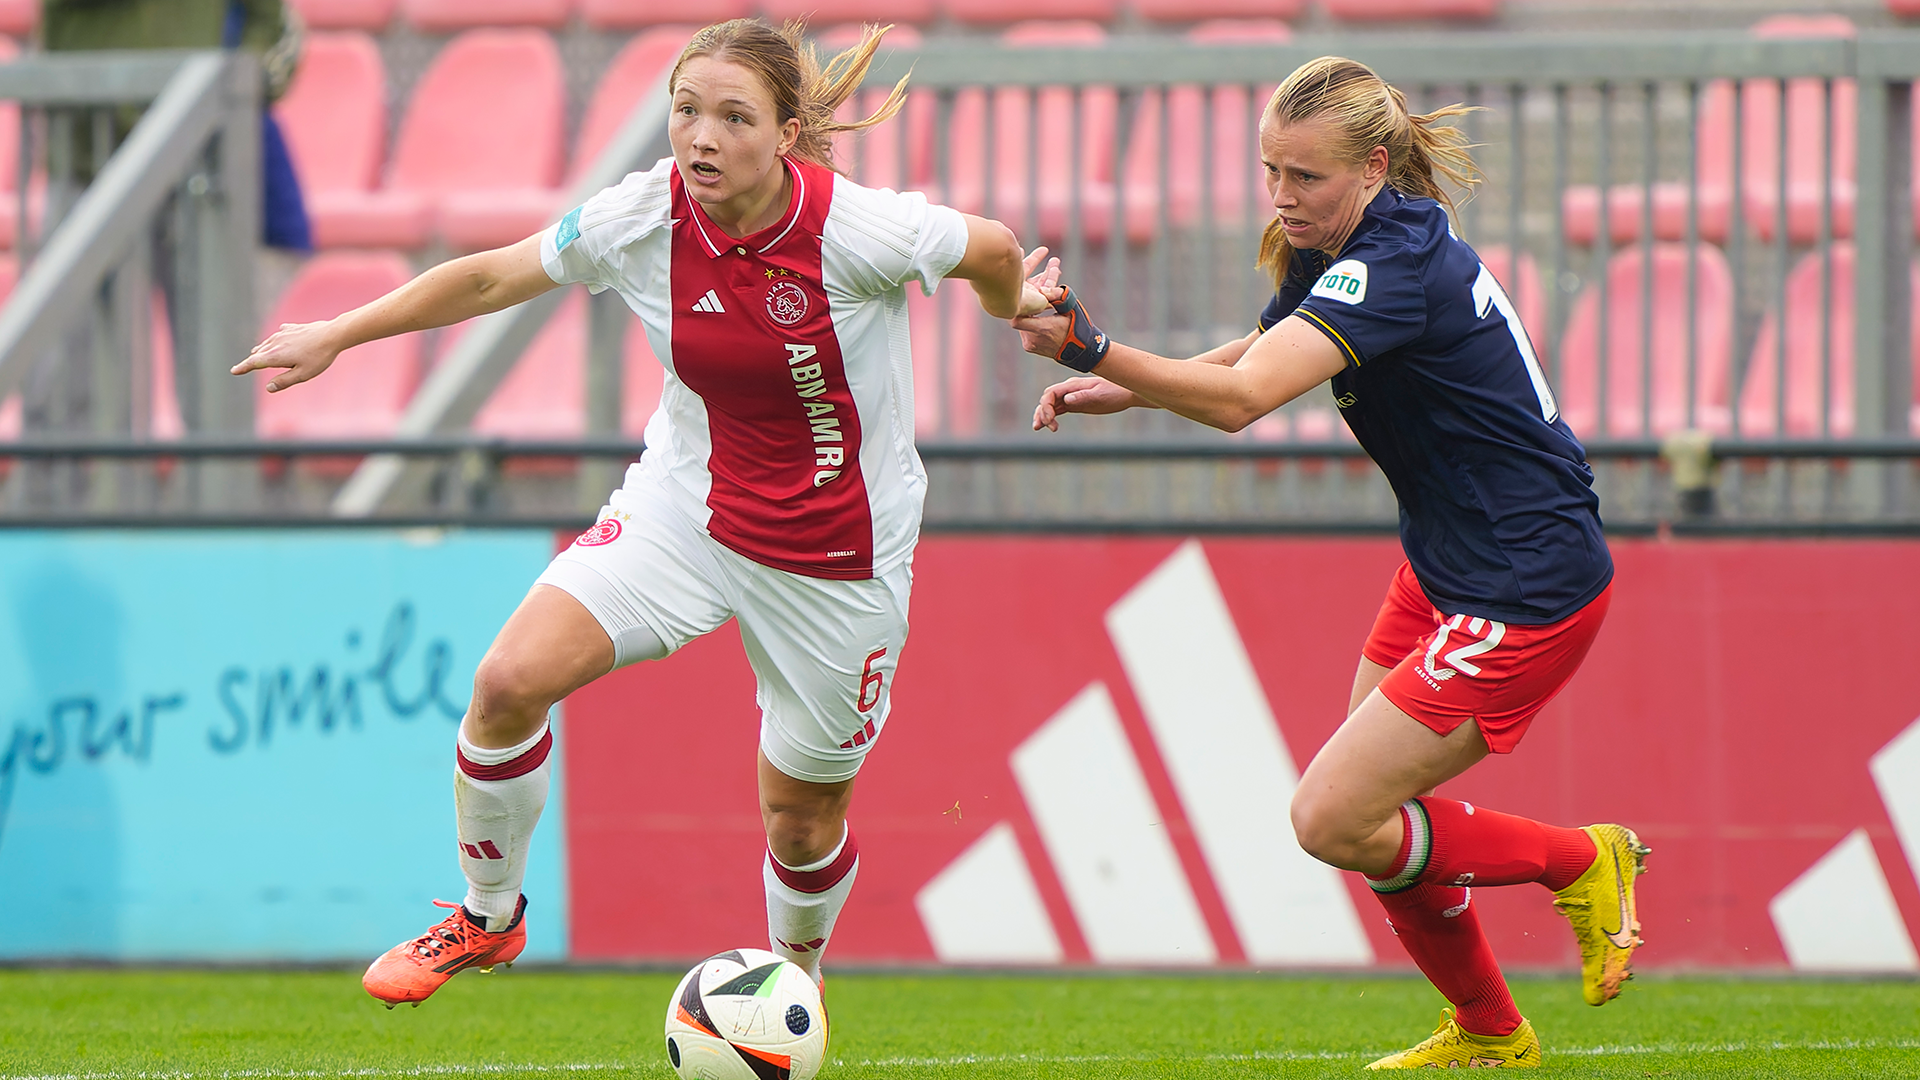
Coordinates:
x,y
1454,1047
1599,905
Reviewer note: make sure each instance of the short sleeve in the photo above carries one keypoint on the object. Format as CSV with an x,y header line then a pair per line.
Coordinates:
x,y
1293,289
578,248
881,239
567,259
1370,301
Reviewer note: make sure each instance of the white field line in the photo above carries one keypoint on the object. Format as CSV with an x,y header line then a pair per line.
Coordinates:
x,y
1612,1050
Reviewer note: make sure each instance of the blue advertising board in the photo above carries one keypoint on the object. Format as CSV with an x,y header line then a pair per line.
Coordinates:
x,y
238,745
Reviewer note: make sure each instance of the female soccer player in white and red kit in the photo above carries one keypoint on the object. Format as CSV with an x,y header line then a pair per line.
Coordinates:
x,y
1507,577
780,486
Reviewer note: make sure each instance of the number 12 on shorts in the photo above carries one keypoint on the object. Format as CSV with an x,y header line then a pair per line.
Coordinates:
x,y
872,685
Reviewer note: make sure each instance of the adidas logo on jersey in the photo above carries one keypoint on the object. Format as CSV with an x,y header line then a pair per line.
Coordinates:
x,y
710,303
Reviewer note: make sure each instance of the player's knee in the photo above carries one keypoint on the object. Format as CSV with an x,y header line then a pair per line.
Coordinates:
x,y
798,836
509,699
1320,828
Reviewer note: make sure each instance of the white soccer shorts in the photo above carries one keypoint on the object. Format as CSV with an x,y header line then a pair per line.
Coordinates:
x,y
823,651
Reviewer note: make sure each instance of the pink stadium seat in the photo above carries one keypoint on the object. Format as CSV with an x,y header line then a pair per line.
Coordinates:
x,y
946,360
627,14
367,389
1398,10
644,61
490,175
494,218
1758,397
167,422
1523,286
370,15
1580,207
1052,177
10,166
1235,163
9,160
1760,180
334,116
1197,10
1809,110
824,12
1712,312
19,17
10,409
545,395
873,157
450,15
1006,11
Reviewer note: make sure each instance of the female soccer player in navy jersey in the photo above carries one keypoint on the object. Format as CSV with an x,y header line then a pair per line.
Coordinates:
x,y
780,486
1507,575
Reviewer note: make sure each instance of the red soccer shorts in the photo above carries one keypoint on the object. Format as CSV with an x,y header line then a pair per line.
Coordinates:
x,y
1448,669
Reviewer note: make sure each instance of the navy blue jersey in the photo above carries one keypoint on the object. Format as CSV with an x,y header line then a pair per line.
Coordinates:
x,y
1497,510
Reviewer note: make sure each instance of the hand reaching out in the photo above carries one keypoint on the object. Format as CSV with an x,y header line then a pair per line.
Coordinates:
x,y
304,349
1042,286
1082,394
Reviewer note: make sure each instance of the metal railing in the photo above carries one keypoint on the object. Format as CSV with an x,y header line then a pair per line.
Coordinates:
x,y
99,229
1767,324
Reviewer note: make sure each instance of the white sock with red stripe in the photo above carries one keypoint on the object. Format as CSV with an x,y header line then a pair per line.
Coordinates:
x,y
804,901
498,796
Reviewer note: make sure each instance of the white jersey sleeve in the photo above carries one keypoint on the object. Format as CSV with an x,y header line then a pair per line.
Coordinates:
x,y
876,240
585,246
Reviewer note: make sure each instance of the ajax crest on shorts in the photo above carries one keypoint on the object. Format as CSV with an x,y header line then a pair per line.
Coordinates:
x,y
604,531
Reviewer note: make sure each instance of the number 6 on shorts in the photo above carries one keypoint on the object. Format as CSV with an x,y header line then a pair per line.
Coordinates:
x,y
871,678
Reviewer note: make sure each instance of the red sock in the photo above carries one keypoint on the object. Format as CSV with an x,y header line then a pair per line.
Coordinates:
x,y
1441,931
1471,845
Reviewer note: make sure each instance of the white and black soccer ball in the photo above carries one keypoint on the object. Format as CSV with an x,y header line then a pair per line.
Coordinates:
x,y
746,1015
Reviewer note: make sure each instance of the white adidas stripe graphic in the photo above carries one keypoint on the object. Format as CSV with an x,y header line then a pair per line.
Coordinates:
x,y
1840,914
1104,833
710,303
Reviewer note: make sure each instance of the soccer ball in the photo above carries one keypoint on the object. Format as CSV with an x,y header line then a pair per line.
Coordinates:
x,y
746,1015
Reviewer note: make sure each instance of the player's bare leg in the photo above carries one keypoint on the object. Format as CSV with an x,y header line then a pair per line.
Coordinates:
x,y
550,647
1346,811
1365,804
812,860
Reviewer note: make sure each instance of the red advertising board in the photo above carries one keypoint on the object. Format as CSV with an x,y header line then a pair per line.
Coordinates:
x,y
1042,790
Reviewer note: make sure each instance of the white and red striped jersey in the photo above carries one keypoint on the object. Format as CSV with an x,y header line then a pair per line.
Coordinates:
x,y
786,418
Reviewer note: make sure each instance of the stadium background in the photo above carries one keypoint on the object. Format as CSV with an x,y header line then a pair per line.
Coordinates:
x,y
241,631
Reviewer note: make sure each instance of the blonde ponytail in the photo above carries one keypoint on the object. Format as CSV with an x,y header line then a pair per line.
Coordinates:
x,y
1367,112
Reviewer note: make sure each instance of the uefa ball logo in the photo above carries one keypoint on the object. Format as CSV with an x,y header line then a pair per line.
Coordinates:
x,y
605,532
786,302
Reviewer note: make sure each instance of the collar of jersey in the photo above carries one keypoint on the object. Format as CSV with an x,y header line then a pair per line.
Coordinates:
x,y
1378,207
711,237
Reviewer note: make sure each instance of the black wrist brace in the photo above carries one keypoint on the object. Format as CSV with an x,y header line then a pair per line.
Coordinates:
x,y
1086,344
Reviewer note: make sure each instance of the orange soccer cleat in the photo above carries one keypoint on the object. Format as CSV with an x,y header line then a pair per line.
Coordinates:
x,y
413,970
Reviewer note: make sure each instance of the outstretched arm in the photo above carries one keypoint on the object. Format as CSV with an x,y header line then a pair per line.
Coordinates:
x,y
1272,369
994,265
448,293
1094,395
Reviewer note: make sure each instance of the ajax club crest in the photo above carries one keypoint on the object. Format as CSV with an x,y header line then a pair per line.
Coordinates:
x,y
786,302
606,531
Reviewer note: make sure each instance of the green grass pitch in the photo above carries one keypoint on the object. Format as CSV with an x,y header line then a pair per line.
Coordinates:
x,y
181,1025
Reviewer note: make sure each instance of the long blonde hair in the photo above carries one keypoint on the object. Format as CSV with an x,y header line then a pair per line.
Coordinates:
x,y
1367,112
801,89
